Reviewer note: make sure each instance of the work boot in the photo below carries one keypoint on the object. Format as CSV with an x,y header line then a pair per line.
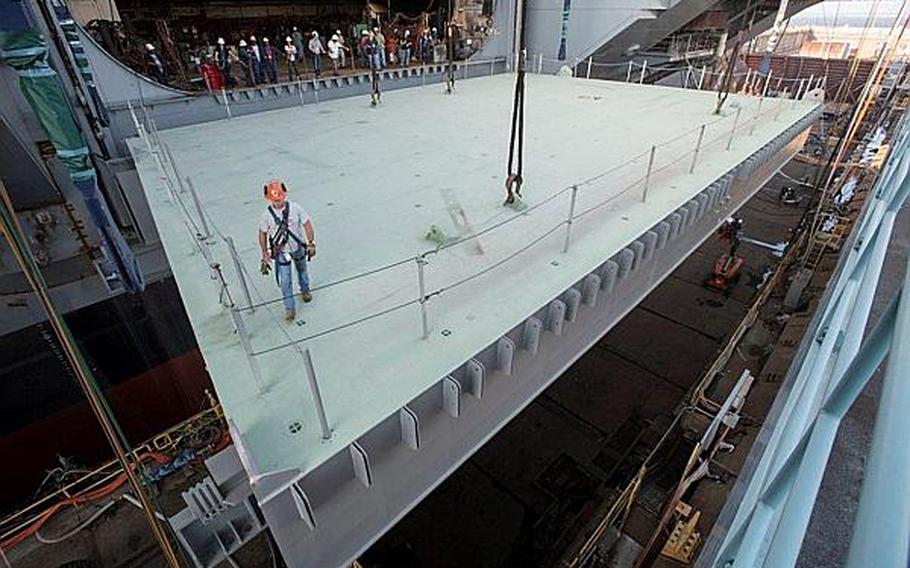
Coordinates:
x,y
307,297
289,315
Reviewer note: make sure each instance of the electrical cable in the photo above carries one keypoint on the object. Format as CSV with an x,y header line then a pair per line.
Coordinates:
x,y
75,530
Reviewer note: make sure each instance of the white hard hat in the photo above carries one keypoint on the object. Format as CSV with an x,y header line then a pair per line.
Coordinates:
x,y
315,34
364,32
221,41
288,39
242,43
150,47
338,32
334,37
252,38
265,40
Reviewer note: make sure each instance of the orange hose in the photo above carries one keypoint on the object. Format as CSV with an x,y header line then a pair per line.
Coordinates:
x,y
93,495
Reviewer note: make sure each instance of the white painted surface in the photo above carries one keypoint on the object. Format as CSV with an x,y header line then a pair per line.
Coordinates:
x,y
373,181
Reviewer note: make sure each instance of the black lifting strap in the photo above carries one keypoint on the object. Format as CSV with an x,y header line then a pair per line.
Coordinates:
x,y
514,176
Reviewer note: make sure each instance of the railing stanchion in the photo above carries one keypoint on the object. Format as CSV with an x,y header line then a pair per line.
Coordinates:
x,y
641,77
688,76
701,136
733,131
227,105
701,79
170,159
764,91
590,63
540,64
629,73
317,396
757,116
300,91
492,66
422,286
644,193
780,105
238,267
240,328
571,217
140,129
199,211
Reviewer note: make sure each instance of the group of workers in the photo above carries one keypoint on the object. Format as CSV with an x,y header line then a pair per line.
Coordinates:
x,y
399,47
258,58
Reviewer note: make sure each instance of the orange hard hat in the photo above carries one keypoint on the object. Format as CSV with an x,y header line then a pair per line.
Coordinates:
x,y
275,190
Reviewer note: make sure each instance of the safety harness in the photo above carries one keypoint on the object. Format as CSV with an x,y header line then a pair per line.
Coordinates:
x,y
282,235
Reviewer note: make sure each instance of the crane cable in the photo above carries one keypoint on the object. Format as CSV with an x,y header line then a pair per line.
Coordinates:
x,y
450,49
514,177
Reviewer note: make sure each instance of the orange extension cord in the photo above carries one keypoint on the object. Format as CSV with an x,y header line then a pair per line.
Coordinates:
x,y
93,495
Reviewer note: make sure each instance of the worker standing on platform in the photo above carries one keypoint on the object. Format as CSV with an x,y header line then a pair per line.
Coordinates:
x,y
256,59
286,236
343,46
366,48
425,47
155,65
297,38
291,54
334,47
404,49
269,60
379,55
223,60
246,63
316,50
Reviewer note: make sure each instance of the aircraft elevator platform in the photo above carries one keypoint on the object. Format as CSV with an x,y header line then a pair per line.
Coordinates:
x,y
414,352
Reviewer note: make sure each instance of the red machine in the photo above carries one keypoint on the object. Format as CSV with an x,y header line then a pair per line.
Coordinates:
x,y
727,266
214,80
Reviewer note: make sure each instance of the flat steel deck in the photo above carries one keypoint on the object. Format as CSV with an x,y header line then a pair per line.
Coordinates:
x,y
374,181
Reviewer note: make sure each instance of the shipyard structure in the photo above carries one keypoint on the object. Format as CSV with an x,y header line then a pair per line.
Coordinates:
x,y
453,285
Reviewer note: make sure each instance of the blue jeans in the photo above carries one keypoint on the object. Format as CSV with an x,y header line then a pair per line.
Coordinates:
x,y
271,70
404,57
283,273
317,65
257,70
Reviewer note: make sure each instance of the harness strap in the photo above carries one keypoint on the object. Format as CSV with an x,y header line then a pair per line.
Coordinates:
x,y
283,232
